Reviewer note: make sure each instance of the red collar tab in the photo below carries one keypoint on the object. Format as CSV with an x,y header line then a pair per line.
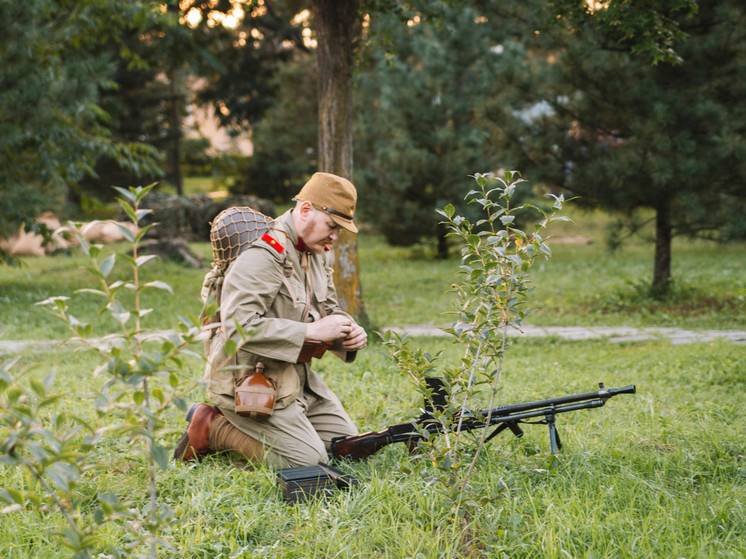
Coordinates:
x,y
271,241
301,246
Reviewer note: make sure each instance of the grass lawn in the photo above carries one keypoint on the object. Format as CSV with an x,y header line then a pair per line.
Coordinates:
x,y
582,285
658,474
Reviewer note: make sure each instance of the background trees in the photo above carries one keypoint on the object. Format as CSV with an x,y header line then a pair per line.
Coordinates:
x,y
427,84
627,135
584,96
52,126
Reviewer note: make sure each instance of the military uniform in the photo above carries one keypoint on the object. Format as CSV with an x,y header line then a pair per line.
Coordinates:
x,y
272,289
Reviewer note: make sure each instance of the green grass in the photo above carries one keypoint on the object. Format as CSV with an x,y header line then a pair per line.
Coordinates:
x,y
657,474
581,285
197,185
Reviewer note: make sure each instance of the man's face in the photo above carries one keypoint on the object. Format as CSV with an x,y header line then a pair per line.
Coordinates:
x,y
321,231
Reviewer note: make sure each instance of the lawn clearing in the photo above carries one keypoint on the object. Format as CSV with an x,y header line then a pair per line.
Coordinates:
x,y
658,474
581,285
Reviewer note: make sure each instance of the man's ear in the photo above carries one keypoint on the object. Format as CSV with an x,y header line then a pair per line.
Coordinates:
x,y
305,209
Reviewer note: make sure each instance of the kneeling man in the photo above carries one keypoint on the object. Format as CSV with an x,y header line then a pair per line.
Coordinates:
x,y
280,289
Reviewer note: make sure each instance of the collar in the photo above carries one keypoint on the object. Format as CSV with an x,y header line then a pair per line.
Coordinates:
x,y
285,222
300,245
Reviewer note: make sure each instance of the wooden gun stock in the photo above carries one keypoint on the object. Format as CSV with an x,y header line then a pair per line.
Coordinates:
x,y
361,446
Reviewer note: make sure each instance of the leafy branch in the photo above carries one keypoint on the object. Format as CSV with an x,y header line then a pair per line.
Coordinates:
x,y
492,294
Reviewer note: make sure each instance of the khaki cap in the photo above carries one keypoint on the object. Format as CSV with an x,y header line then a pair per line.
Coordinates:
x,y
333,195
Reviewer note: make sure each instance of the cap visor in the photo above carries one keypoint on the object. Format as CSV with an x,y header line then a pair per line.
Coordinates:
x,y
345,223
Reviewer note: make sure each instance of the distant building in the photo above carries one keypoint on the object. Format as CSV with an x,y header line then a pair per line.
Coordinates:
x,y
202,122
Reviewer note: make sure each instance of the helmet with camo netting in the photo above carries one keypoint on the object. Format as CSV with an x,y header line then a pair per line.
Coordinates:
x,y
232,231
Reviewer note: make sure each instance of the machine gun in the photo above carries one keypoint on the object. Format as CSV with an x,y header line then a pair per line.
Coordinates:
x,y
357,447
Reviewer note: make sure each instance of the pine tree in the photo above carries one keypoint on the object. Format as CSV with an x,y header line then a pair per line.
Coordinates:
x,y
426,85
626,134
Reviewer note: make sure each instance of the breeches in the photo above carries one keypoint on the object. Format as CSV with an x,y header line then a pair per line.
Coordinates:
x,y
301,433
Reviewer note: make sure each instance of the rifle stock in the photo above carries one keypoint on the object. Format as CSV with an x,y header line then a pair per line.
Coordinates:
x,y
358,447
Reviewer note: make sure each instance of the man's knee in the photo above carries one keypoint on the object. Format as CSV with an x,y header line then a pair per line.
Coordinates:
x,y
295,456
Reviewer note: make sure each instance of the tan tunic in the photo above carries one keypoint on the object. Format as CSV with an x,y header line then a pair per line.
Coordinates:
x,y
265,292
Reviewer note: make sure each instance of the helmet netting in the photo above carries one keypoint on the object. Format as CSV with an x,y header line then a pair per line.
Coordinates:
x,y
233,230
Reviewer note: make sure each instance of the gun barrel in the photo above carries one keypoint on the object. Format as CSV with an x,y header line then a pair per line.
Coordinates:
x,y
604,393
629,389
542,412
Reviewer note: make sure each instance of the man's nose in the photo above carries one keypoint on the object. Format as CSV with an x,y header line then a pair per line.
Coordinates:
x,y
334,235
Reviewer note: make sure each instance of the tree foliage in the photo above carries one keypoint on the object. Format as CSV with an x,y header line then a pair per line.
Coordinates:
x,y
242,86
628,135
426,86
285,138
52,126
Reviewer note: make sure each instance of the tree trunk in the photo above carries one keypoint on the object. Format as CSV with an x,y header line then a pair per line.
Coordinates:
x,y
176,106
338,26
663,235
441,232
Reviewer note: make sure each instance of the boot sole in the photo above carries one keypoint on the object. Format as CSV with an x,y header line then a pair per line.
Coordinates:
x,y
183,445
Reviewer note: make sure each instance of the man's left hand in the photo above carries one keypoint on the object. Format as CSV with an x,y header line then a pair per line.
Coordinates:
x,y
356,339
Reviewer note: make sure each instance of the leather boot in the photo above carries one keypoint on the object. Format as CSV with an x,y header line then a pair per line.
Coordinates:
x,y
195,442
226,436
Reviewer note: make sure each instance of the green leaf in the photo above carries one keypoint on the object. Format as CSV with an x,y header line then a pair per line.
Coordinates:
x,y
230,347
72,537
142,191
128,209
62,474
128,195
142,231
138,397
38,388
159,285
85,246
507,219
119,313
160,455
142,260
107,265
126,233
142,213
11,496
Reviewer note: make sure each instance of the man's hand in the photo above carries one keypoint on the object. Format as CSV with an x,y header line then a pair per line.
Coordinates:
x,y
330,328
356,339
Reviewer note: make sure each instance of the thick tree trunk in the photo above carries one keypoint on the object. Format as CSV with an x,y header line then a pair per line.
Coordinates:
x,y
338,26
663,235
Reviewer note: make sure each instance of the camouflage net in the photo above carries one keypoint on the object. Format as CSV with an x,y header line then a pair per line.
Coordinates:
x,y
232,231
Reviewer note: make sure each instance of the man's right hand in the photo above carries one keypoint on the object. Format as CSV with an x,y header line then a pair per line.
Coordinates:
x,y
329,329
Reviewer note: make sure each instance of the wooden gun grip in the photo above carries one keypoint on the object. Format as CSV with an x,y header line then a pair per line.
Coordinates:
x,y
311,349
